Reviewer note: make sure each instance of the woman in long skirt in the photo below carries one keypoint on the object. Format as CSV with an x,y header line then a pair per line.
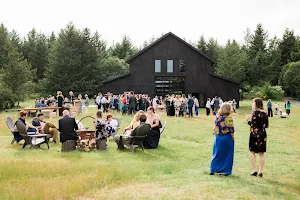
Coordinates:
x,y
223,150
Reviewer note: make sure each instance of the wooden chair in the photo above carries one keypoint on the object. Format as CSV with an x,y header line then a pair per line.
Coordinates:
x,y
11,126
137,141
32,140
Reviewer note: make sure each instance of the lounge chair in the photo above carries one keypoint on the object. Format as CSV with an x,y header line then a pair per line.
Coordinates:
x,y
163,127
137,141
30,139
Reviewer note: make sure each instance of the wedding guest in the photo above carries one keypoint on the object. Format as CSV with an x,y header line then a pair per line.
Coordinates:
x,y
86,102
79,124
223,149
135,122
208,106
125,140
152,139
60,102
67,127
80,102
111,125
270,111
45,127
71,97
98,100
258,135
190,103
196,104
177,104
288,107
131,103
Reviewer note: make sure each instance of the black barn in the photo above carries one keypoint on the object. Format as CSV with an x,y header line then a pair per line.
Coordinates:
x,y
172,66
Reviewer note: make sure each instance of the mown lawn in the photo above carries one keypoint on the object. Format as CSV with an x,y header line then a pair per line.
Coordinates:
x,y
179,169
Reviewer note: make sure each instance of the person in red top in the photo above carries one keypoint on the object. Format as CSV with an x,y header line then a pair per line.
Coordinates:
x,y
124,104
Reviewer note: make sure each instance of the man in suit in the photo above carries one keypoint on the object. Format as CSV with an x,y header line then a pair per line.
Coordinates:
x,y
142,130
67,127
131,103
45,127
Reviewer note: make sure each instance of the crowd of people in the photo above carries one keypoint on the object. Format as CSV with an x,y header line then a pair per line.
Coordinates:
x,y
143,109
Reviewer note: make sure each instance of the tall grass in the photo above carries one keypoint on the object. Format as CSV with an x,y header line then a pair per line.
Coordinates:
x,y
178,169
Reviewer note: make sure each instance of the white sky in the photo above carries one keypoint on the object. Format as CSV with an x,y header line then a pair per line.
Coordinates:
x,y
141,19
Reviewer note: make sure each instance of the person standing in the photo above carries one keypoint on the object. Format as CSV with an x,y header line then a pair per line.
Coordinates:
x,y
86,103
288,107
98,100
190,104
270,111
71,97
223,149
80,102
60,102
258,135
103,103
196,103
216,105
131,103
212,103
208,106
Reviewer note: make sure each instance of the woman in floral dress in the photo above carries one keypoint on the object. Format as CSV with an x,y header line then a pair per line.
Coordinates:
x,y
258,135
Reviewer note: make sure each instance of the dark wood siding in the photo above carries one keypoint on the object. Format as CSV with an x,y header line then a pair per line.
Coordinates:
x,y
198,77
117,86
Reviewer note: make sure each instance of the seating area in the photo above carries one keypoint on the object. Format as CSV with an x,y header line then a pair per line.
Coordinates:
x,y
30,138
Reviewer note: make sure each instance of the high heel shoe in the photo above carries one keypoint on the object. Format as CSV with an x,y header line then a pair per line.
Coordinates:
x,y
260,175
254,174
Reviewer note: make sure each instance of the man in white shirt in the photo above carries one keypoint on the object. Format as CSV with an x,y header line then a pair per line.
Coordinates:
x,y
98,100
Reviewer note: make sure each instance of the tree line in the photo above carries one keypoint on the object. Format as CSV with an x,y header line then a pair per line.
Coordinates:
x,y
80,60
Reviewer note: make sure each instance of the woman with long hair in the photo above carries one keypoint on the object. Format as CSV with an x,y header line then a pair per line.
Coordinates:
x,y
223,149
258,135
152,139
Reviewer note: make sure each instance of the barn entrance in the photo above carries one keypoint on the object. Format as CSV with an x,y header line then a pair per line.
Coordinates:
x,y
201,99
165,85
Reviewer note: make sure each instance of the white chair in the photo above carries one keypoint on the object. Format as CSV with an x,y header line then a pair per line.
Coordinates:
x,y
163,127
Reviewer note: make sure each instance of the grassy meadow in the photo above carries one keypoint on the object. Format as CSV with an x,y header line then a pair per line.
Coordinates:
x,y
178,169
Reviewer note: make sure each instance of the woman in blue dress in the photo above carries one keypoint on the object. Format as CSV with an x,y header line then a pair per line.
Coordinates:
x,y
222,158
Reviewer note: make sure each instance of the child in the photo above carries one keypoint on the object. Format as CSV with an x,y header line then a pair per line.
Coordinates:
x,y
111,125
276,108
280,110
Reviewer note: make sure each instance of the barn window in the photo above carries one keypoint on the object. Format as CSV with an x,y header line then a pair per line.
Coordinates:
x,y
157,66
170,66
181,66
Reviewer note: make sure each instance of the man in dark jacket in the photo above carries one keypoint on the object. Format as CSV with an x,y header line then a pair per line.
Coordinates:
x,y
131,103
67,127
190,105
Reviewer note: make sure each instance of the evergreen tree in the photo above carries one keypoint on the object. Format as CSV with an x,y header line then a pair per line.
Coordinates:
x,y
123,50
287,46
73,62
274,60
257,57
295,54
201,45
17,73
213,49
4,44
35,50
232,62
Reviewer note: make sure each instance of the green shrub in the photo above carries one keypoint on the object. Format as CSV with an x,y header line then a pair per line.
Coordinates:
x,y
7,100
265,92
291,79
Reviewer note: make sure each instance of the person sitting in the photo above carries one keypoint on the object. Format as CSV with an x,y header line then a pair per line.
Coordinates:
x,y
45,127
111,125
125,139
29,128
134,123
152,139
79,124
67,127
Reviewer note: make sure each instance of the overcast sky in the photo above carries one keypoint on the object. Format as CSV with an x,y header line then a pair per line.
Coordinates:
x,y
141,19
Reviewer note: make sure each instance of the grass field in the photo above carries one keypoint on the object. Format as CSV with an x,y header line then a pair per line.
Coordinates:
x,y
178,169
